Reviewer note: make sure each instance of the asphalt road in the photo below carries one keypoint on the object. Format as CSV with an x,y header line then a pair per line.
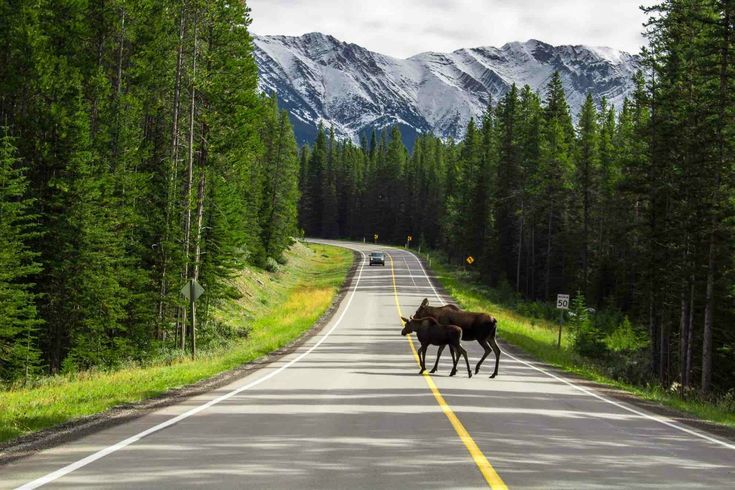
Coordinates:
x,y
347,410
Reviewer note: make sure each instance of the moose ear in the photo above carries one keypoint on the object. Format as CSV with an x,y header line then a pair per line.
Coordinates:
x,y
425,302
405,320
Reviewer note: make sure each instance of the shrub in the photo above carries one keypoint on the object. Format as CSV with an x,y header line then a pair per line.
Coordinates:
x,y
632,367
271,265
587,339
625,338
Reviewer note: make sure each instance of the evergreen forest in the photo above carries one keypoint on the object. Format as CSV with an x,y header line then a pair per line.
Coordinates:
x,y
136,154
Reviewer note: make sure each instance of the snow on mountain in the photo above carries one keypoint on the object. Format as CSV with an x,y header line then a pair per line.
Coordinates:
x,y
344,86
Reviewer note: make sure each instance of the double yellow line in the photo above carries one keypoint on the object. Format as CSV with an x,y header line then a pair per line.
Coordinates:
x,y
488,472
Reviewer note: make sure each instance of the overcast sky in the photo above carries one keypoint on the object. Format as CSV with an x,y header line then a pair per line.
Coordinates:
x,y
403,28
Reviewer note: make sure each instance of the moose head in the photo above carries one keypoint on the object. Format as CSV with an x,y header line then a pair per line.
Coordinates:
x,y
408,326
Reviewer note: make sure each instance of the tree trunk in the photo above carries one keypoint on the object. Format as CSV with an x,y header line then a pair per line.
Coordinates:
x,y
664,348
120,50
586,226
200,220
653,330
533,261
684,337
708,313
547,278
520,249
189,181
198,249
690,334
171,191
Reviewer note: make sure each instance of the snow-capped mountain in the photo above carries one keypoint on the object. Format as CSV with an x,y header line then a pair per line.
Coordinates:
x,y
320,79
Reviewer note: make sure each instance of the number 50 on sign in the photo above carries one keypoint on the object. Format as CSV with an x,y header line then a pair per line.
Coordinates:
x,y
562,301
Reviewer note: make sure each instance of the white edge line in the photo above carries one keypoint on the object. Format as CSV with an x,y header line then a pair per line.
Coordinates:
x,y
661,420
130,440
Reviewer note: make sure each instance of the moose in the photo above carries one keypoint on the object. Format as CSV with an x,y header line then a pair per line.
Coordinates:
x,y
475,326
430,332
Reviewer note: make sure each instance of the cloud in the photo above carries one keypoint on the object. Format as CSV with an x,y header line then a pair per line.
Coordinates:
x,y
403,28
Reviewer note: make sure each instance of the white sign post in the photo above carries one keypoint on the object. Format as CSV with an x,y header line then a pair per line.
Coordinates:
x,y
562,303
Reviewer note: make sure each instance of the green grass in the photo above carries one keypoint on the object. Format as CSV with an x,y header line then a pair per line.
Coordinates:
x,y
276,308
539,339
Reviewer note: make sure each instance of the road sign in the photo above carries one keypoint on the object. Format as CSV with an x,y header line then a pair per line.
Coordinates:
x,y
192,287
410,237
562,301
375,238
470,260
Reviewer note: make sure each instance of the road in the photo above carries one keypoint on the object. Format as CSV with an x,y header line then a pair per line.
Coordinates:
x,y
348,410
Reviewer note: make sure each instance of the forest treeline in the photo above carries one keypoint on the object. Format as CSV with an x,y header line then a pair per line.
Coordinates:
x,y
135,154
632,207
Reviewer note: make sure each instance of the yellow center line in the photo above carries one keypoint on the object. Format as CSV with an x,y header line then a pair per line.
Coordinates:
x,y
491,476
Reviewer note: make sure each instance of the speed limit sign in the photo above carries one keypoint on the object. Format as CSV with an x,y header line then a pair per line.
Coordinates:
x,y
562,301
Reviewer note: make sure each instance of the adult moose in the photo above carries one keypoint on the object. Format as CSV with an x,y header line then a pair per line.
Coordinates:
x,y
475,326
431,332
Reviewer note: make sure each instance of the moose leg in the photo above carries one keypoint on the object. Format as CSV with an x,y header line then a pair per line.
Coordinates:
x,y
487,348
422,358
496,350
466,360
438,355
455,359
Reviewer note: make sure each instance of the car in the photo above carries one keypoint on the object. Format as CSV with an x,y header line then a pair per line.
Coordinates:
x,y
377,258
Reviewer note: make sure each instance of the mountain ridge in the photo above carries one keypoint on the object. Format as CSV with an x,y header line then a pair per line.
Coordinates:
x,y
321,79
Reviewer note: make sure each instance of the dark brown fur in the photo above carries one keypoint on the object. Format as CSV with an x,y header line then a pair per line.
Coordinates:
x,y
475,326
430,332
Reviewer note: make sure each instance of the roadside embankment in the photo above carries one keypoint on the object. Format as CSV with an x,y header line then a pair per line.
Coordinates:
x,y
274,309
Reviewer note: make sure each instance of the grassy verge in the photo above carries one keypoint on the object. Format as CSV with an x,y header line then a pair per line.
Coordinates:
x,y
539,339
275,307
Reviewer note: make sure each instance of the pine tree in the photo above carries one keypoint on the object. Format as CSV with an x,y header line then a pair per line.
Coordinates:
x,y
19,327
587,166
532,208
555,170
328,190
313,195
278,211
509,197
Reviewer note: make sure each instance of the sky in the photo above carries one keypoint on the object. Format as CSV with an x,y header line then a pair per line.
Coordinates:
x,y
402,28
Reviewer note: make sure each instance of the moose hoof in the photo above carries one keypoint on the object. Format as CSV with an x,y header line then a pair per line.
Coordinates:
x,y
477,369
422,371
470,373
493,375
452,373
432,371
